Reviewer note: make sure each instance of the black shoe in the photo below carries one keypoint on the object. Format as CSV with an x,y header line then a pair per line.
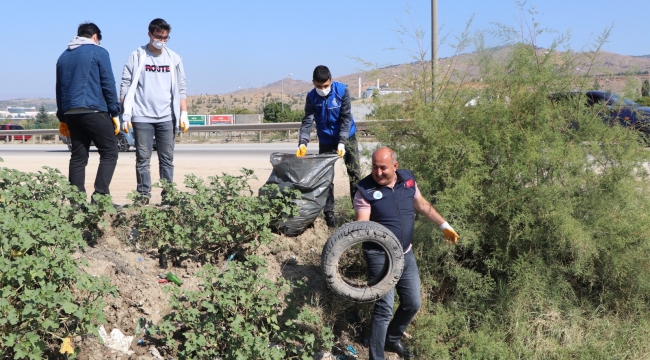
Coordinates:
x,y
330,219
398,348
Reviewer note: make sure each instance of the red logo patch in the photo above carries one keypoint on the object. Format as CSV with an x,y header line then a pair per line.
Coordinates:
x,y
410,183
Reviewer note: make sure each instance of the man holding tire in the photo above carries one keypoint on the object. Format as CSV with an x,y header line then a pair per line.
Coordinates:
x,y
390,197
328,105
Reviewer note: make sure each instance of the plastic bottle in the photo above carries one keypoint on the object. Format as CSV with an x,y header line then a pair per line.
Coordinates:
x,y
171,277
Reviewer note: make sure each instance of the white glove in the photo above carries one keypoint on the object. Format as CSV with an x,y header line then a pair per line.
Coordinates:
x,y
126,126
185,124
341,150
450,234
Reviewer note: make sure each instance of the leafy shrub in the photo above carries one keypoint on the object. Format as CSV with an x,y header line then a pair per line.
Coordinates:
x,y
240,314
44,297
214,216
643,101
273,112
554,218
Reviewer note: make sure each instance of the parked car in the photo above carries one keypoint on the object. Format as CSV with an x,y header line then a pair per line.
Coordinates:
x,y
617,110
16,137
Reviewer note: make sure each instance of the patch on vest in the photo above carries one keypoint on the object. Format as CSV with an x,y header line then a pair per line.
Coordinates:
x,y
377,195
409,183
334,102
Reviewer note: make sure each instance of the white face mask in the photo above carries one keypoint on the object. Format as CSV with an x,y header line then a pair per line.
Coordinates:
x,y
324,92
158,44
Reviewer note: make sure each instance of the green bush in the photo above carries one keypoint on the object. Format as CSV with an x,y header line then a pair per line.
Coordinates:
x,y
552,207
273,112
213,217
44,297
240,314
643,101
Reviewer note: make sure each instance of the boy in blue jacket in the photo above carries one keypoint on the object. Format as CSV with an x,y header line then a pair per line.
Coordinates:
x,y
328,104
87,106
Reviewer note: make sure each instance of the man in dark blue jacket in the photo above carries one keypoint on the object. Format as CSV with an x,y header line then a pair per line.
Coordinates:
x,y
328,104
390,197
88,106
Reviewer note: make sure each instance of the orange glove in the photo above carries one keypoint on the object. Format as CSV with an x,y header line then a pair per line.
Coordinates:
x,y
63,129
116,124
302,150
450,234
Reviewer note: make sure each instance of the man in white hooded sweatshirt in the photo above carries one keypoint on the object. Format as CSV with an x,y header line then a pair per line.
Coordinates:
x,y
153,97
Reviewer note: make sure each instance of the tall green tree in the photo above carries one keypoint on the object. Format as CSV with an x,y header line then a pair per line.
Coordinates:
x,y
645,88
42,118
44,121
273,113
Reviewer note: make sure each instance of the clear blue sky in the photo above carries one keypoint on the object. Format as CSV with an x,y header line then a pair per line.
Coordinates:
x,y
230,44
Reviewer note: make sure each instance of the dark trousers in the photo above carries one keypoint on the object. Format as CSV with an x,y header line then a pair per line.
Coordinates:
x,y
351,159
99,129
382,328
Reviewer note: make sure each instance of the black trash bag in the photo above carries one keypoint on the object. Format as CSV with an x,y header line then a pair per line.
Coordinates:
x,y
312,176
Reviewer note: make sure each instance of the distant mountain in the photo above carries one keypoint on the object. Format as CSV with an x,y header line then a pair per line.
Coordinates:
x,y
387,76
50,104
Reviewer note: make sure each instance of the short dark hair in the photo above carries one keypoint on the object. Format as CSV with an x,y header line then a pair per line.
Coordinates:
x,y
89,29
321,74
157,25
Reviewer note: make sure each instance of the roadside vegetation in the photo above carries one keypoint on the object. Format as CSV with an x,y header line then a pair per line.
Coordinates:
x,y
551,204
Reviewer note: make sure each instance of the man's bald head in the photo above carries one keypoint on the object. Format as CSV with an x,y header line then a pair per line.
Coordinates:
x,y
385,151
384,165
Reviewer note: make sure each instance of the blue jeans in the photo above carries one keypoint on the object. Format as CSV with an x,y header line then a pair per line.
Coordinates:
x,y
382,328
143,134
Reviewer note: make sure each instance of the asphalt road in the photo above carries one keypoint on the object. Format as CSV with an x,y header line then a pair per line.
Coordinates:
x,y
202,160
202,150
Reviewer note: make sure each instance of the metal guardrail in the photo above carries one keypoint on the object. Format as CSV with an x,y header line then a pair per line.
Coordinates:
x,y
361,125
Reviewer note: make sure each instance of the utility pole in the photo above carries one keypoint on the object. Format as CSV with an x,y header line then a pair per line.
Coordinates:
x,y
263,96
434,44
282,95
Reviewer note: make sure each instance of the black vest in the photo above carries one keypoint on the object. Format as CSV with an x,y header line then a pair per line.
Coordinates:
x,y
392,208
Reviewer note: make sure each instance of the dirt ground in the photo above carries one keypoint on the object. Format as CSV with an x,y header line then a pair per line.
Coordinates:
x,y
134,271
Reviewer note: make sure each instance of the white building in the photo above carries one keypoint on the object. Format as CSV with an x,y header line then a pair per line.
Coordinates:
x,y
19,112
382,91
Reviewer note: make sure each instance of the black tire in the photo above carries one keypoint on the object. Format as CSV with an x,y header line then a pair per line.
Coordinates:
x,y
354,233
122,143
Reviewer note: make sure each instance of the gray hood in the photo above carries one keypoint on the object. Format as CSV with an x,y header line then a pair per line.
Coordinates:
x,y
78,41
